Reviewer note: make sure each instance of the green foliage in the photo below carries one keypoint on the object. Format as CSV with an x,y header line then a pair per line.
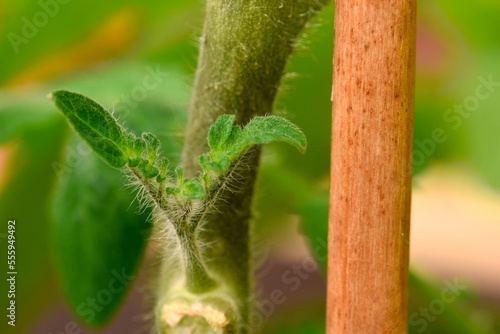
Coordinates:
x,y
138,147
118,148
148,171
162,176
106,137
95,125
179,171
98,238
228,142
105,235
264,130
220,131
192,189
153,145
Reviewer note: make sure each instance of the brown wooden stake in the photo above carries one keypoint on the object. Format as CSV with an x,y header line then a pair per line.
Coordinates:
x,y
373,94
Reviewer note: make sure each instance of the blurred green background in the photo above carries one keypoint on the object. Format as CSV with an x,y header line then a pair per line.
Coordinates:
x,y
105,50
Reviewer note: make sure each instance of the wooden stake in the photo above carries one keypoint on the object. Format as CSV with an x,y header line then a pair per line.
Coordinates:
x,y
373,94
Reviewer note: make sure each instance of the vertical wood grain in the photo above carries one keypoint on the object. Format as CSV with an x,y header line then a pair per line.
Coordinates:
x,y
372,135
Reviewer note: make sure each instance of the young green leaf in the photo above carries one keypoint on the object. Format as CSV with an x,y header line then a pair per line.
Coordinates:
x,y
192,189
220,165
134,162
148,171
171,190
234,141
179,172
203,159
139,146
95,125
163,163
151,140
153,144
220,131
268,129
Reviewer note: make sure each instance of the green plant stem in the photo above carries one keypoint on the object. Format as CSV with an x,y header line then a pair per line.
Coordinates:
x,y
151,188
243,53
197,278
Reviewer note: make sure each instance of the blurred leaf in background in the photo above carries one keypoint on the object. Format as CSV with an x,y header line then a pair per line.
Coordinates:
x,y
98,238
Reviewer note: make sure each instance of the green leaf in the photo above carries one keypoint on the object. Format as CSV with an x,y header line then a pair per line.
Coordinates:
x,y
234,141
179,171
227,141
192,189
220,131
148,171
171,190
268,129
153,144
95,125
163,164
203,159
98,240
134,162
220,165
139,146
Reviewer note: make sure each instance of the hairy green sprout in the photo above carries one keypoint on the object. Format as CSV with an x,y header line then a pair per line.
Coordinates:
x,y
180,204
